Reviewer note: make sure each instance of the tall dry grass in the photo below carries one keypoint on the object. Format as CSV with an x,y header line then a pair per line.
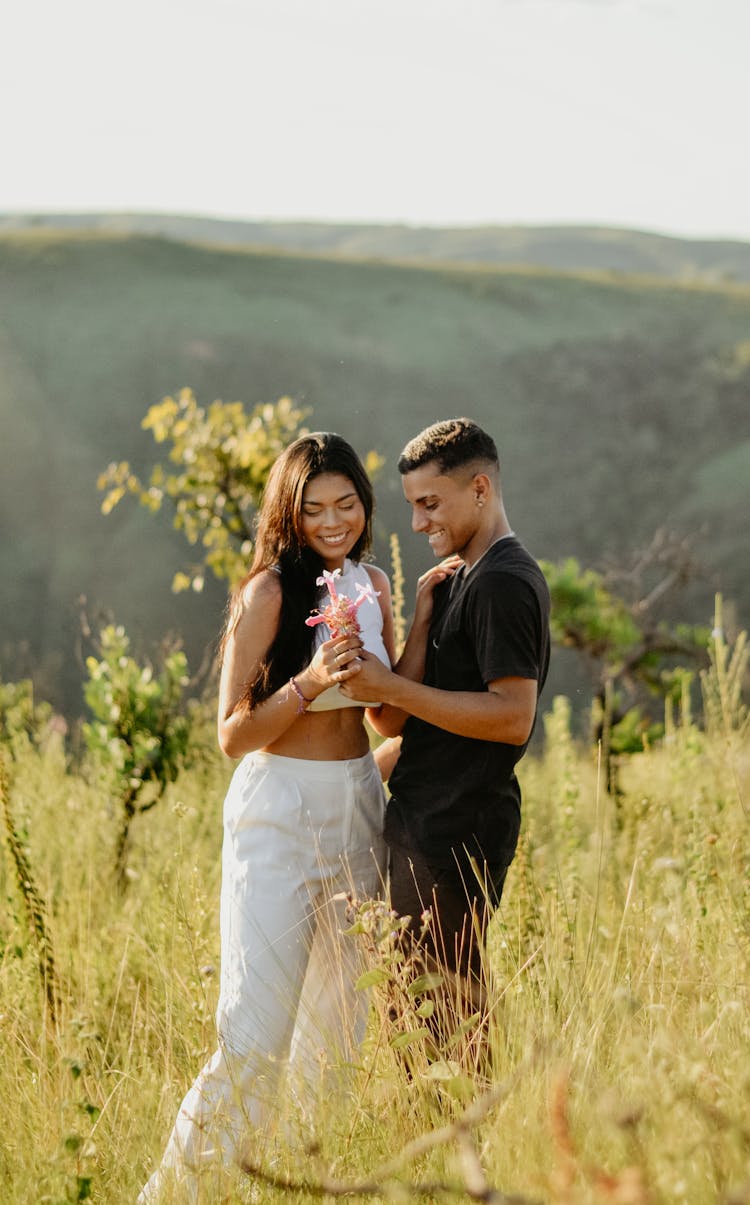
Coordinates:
x,y
619,1014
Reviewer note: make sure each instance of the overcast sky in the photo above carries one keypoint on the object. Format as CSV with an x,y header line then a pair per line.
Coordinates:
x,y
616,112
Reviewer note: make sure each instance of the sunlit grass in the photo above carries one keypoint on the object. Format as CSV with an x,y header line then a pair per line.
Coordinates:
x,y
619,1014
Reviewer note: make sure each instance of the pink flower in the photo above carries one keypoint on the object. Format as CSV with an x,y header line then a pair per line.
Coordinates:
x,y
341,612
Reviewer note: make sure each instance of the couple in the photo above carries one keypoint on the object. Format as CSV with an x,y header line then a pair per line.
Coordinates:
x,y
304,815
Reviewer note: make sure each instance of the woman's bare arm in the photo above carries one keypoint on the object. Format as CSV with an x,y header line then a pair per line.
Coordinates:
x,y
242,729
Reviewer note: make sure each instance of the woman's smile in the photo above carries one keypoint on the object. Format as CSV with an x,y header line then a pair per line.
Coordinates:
x,y
333,517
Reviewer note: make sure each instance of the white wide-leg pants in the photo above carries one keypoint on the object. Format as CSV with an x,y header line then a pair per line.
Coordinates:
x,y
297,833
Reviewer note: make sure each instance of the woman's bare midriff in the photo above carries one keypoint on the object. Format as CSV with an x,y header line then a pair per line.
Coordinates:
x,y
325,736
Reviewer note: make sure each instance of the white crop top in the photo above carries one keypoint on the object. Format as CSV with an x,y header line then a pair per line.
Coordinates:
x,y
371,624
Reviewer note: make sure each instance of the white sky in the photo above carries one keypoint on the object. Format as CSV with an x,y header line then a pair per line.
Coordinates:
x,y
617,112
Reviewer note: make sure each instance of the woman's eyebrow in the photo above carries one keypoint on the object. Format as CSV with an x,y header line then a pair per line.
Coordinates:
x,y
343,498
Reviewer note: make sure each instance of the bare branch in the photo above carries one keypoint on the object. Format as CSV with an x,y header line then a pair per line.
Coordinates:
x,y
665,551
383,1183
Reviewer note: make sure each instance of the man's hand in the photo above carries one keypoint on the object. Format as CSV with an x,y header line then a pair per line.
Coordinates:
x,y
503,712
368,679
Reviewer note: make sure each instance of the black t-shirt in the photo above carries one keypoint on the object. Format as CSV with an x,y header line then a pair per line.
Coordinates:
x,y
451,794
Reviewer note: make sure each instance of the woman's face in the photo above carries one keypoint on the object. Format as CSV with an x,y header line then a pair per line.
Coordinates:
x,y
333,517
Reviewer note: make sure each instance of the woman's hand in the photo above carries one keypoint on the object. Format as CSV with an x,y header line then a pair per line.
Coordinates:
x,y
333,663
427,583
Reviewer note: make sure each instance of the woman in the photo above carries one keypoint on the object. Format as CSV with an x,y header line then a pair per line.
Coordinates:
x,y
303,816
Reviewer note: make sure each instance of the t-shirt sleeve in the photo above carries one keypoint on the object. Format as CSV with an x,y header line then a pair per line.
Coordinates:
x,y
507,625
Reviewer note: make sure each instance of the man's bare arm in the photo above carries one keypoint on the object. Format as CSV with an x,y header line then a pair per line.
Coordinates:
x,y
504,712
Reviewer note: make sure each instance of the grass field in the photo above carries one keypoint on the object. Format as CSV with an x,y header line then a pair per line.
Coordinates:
x,y
619,1015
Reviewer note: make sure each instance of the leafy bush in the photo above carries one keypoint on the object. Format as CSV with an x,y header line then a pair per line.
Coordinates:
x,y
142,726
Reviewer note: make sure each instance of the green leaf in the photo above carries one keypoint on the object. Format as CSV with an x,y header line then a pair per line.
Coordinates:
x,y
442,1069
448,1076
401,1040
425,983
372,978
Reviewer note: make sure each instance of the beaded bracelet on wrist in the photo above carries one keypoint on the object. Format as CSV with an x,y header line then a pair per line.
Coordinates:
x,y
302,702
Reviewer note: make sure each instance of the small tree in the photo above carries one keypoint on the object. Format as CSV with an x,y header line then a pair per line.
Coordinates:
x,y
635,653
141,728
216,469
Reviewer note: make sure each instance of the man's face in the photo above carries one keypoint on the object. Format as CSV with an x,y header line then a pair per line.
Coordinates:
x,y
444,508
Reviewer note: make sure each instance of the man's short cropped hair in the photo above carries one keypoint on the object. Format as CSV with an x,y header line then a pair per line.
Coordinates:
x,y
452,444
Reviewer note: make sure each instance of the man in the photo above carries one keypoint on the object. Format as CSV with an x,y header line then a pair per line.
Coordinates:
x,y
465,691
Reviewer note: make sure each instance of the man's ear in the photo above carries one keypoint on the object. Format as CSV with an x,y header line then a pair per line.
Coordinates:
x,y
482,489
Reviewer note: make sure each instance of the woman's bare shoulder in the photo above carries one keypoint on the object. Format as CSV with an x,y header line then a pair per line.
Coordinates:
x,y
262,589
378,577
259,602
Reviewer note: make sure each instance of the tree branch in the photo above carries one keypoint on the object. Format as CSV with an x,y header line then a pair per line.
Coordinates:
x,y
382,1182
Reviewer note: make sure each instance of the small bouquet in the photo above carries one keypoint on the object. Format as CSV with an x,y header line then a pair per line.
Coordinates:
x,y
341,612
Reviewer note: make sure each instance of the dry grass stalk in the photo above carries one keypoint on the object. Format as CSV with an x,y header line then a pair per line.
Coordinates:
x,y
33,902
397,601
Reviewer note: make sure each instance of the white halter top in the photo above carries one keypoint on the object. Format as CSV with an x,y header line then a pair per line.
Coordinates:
x,y
371,624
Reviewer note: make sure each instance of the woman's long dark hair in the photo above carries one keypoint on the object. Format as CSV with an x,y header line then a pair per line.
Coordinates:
x,y
280,545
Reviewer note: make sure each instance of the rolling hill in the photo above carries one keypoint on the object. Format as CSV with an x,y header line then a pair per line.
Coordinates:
x,y
561,248
619,404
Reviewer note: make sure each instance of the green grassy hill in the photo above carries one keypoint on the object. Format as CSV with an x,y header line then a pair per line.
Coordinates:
x,y
619,405
565,248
